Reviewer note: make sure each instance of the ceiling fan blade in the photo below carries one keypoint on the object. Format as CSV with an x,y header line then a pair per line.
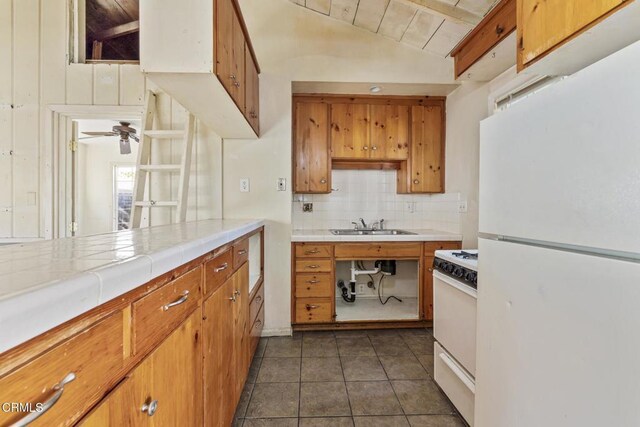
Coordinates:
x,y
100,133
125,146
134,137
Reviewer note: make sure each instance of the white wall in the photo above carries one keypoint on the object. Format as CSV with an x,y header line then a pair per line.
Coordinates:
x,y
465,108
294,44
34,73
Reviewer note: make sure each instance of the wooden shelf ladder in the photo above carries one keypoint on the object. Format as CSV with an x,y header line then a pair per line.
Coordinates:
x,y
144,168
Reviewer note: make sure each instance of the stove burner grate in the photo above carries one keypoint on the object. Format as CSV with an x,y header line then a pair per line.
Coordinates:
x,y
465,255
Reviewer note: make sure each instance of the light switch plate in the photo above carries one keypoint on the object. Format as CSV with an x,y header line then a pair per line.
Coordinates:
x,y
244,185
462,206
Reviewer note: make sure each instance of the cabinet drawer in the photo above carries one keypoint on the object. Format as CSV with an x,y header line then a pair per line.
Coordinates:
x,y
95,357
314,265
160,312
313,310
431,247
256,303
313,285
217,271
378,250
311,250
256,331
240,253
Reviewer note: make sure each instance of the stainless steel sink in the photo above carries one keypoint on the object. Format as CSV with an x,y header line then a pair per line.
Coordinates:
x,y
352,232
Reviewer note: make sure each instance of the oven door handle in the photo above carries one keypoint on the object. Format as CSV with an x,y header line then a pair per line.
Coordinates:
x,y
454,283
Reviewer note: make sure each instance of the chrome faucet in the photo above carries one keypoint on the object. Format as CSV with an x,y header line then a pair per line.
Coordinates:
x,y
378,225
364,224
356,226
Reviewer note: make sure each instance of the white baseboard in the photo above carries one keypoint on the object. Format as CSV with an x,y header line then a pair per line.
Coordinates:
x,y
277,332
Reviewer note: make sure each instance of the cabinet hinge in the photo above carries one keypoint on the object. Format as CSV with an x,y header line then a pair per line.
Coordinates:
x,y
73,227
73,146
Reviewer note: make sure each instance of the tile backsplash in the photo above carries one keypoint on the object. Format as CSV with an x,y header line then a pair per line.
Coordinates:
x,y
371,194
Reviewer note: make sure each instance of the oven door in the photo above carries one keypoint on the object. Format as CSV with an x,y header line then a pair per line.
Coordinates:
x,y
454,319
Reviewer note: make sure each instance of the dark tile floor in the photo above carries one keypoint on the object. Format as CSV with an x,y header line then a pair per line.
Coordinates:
x,y
345,378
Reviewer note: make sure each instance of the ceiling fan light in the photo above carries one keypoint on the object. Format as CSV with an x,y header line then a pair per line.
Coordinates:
x,y
125,146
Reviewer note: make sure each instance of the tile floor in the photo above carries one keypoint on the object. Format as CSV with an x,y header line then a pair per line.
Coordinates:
x,y
345,378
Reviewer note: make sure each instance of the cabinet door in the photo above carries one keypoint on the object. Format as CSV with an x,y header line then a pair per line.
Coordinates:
x,y
350,132
164,390
543,25
312,165
224,44
238,69
389,132
427,150
241,328
219,370
252,107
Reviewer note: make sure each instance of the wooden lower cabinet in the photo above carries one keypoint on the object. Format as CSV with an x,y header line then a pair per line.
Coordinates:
x,y
429,249
227,354
164,390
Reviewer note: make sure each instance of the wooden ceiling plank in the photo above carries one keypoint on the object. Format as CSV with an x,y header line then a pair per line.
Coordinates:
x,y
344,10
396,19
447,37
370,13
447,11
421,29
477,7
118,31
322,6
130,7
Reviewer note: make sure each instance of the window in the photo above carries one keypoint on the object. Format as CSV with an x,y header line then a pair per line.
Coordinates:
x,y
106,31
123,179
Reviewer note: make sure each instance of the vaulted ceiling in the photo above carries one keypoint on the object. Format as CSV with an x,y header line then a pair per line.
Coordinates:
x,y
435,26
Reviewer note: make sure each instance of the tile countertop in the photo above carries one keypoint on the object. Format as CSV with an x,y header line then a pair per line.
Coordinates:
x,y
420,236
44,284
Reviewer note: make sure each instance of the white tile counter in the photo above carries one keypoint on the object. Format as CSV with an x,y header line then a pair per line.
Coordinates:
x,y
44,284
419,236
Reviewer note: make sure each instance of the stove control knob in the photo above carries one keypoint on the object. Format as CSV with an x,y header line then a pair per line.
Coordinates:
x,y
471,276
449,267
458,271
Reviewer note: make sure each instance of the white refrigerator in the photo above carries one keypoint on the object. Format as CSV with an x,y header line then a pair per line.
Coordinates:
x,y
558,335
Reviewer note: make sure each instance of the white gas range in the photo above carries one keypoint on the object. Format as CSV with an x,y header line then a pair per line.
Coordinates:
x,y
455,297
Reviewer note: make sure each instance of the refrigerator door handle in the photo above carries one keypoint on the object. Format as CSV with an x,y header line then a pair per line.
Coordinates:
x,y
452,282
458,372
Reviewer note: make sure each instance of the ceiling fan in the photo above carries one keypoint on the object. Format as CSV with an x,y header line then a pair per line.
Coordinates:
x,y
124,131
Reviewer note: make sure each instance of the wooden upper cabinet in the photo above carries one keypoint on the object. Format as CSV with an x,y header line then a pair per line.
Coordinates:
x,y
426,165
544,25
350,131
389,132
311,163
252,92
230,52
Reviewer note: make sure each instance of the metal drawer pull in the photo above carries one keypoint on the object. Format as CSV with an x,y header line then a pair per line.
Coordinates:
x,y
315,251
236,292
59,389
221,268
150,408
242,251
233,298
232,76
311,307
313,281
313,266
182,299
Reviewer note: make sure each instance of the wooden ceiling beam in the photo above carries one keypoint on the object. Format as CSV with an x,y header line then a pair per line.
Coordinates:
x,y
118,31
446,11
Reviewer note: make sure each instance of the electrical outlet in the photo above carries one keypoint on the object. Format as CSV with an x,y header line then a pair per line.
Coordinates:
x,y
244,185
307,207
282,184
361,288
462,206
411,207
